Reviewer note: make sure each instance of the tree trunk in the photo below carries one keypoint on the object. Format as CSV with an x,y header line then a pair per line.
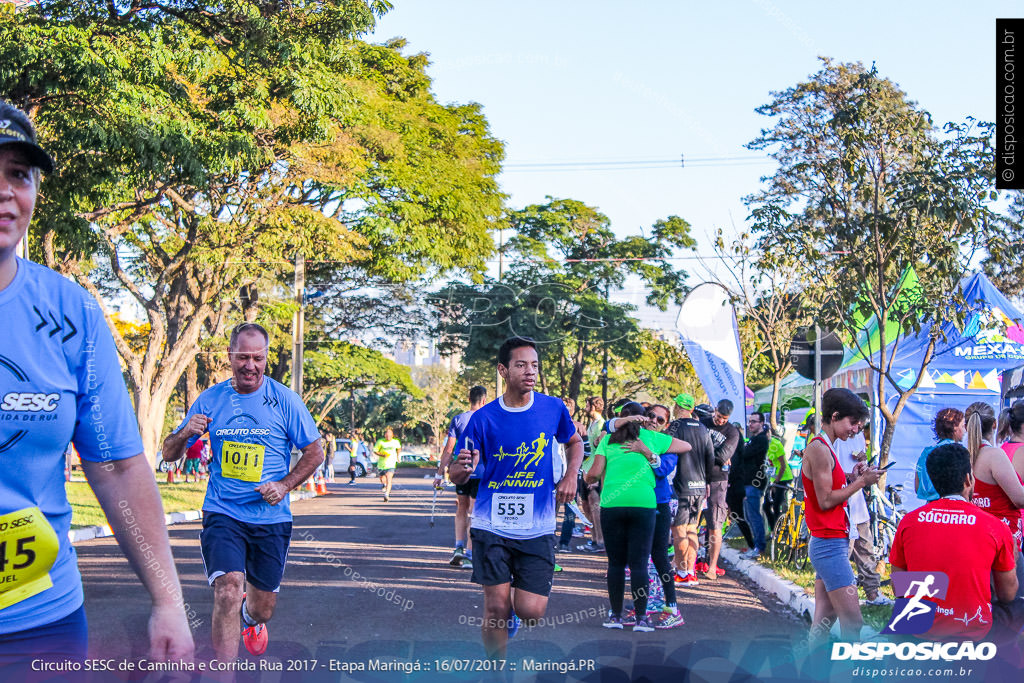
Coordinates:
x,y
191,384
772,418
150,408
576,378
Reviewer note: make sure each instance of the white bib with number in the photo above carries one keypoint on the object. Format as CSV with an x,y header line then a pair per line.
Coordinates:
x,y
512,510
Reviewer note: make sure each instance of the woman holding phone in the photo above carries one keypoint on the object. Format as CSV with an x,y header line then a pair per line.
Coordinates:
x,y
826,493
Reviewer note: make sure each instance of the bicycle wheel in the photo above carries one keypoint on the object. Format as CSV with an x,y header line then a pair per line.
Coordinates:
x,y
800,545
778,547
883,540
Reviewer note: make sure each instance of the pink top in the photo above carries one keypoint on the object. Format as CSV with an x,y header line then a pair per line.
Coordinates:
x,y
1010,447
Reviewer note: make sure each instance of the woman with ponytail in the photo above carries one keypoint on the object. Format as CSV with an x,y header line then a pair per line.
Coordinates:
x,y
997,487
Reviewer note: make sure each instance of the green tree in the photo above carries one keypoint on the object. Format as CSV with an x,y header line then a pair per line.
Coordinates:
x,y
564,260
441,395
1004,262
201,146
765,285
332,369
866,188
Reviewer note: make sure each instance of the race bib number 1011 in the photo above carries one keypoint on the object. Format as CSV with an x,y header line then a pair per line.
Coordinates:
x,y
512,511
242,461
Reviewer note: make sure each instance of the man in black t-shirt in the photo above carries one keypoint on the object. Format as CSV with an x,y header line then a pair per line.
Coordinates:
x,y
752,478
727,440
690,486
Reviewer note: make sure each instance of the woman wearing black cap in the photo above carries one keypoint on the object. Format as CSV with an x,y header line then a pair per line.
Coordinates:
x,y
60,382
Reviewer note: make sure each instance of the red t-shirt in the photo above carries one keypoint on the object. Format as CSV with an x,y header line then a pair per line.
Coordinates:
x,y
966,543
195,450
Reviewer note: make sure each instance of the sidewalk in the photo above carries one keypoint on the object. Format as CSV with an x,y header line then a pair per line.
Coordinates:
x,y
787,592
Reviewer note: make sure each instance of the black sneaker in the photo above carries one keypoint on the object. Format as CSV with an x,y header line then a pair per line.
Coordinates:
x,y
562,548
591,547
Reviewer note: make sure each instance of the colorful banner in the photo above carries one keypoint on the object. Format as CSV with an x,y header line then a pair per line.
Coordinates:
x,y
707,325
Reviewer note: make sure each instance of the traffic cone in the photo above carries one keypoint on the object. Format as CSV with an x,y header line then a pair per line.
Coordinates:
x,y
321,488
170,476
309,485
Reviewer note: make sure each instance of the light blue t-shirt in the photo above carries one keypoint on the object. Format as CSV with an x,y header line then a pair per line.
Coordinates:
x,y
519,465
251,439
60,381
925,489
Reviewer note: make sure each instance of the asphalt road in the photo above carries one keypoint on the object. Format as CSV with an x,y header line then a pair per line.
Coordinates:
x,y
368,583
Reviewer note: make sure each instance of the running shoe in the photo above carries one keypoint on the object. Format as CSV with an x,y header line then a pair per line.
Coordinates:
x,y
612,621
558,568
458,556
701,567
562,548
352,483
514,623
687,581
629,618
668,619
879,600
591,547
643,626
655,605
387,498
255,639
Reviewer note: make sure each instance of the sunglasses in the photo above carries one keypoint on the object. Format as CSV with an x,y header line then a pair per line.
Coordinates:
x,y
657,418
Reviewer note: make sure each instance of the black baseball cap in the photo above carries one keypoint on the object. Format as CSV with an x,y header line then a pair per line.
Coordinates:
x,y
14,133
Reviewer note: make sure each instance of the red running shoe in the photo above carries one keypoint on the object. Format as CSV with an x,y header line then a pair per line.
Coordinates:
x,y
255,639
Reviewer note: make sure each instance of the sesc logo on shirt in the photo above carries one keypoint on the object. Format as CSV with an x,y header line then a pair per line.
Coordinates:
x,y
915,608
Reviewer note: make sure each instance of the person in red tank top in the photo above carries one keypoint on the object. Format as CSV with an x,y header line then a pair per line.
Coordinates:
x,y
997,489
825,496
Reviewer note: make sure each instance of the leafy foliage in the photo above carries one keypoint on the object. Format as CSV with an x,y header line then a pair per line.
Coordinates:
x,y
865,189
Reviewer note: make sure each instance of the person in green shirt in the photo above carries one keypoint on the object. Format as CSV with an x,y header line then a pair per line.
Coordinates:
x,y
387,451
629,508
782,477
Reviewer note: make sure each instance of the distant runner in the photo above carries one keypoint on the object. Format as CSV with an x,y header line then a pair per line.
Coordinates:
x,y
387,451
465,493
253,422
509,445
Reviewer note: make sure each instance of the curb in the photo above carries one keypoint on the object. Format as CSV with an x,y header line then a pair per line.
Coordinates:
x,y
90,532
788,593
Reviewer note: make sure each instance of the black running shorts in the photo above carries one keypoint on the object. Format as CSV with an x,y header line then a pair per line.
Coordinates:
x,y
469,488
528,564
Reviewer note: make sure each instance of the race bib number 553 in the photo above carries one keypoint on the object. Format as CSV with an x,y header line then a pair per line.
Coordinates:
x,y
28,549
242,461
512,511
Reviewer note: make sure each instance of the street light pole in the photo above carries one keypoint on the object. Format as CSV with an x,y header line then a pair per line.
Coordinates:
x,y
298,323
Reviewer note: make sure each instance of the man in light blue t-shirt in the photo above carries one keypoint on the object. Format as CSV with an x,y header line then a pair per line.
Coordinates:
x,y
253,422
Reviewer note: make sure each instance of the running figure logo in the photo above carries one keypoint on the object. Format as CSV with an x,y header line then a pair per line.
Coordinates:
x,y
914,611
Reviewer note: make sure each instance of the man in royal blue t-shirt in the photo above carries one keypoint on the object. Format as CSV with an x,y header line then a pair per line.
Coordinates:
x,y
510,446
253,422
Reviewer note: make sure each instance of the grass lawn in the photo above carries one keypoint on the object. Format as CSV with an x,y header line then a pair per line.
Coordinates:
x,y
875,616
86,511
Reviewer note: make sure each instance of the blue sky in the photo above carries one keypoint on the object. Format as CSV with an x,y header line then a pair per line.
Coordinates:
x,y
611,81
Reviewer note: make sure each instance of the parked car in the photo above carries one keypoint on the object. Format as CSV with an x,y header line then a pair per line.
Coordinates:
x,y
364,460
416,458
